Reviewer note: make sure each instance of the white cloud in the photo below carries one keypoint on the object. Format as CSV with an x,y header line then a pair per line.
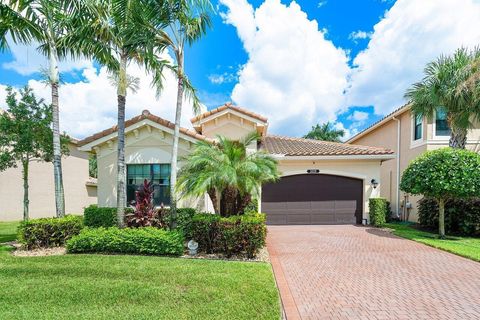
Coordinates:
x,y
349,132
358,116
355,35
293,75
321,4
411,34
225,77
89,106
27,60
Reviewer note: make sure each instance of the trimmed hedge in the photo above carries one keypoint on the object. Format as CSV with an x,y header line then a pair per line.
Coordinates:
x,y
378,211
95,216
244,234
147,240
183,220
462,216
49,232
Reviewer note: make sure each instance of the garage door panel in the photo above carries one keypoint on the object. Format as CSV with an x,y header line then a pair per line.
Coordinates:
x,y
298,218
313,199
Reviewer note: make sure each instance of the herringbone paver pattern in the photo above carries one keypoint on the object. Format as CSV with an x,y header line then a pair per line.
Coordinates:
x,y
353,272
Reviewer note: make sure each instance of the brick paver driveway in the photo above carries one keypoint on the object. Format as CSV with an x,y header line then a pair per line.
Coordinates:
x,y
353,272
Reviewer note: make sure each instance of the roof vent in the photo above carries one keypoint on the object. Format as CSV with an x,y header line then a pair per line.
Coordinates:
x,y
145,112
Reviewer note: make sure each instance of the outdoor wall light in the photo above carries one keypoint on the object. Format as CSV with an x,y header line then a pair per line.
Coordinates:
x,y
374,183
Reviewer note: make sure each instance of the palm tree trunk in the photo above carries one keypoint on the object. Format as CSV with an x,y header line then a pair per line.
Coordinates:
x,y
25,190
213,196
176,136
458,138
57,153
121,101
441,218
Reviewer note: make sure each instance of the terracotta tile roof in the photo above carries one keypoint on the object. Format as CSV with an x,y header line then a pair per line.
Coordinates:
x,y
230,106
145,115
395,112
307,147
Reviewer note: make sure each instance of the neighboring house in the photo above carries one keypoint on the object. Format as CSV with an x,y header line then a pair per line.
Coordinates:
x,y
80,190
322,182
409,137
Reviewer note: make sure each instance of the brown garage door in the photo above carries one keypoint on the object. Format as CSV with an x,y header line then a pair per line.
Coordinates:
x,y
313,199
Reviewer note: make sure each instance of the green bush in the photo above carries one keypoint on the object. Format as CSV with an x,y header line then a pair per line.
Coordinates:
x,y
243,234
378,211
183,221
147,240
462,216
49,232
95,216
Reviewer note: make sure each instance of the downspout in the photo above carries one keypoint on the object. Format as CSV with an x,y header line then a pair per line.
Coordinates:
x,y
398,164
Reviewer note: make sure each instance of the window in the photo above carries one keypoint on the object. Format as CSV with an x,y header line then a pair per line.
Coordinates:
x,y
158,173
417,134
441,124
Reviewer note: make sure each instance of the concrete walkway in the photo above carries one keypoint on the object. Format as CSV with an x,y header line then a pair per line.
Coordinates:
x,y
354,272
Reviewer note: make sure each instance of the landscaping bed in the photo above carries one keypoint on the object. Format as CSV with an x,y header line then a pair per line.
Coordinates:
x,y
467,247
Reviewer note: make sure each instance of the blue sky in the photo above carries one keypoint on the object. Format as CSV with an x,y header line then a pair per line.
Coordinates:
x,y
298,63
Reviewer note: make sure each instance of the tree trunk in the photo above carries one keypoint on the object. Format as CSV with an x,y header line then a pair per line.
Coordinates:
x,y
25,190
176,136
57,153
213,196
228,202
243,201
458,138
441,218
121,100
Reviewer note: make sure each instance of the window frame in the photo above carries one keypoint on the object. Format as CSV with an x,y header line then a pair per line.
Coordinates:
x,y
152,176
415,125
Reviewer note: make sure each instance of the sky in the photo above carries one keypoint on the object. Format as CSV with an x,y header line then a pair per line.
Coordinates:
x,y
298,63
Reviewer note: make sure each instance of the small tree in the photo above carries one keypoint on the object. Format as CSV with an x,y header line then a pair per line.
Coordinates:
x,y
25,135
443,174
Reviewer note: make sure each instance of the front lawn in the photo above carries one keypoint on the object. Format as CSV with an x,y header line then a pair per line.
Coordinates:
x,y
8,231
133,287
463,246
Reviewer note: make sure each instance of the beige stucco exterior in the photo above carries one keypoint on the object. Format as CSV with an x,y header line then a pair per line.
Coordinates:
x,y
42,193
385,134
145,143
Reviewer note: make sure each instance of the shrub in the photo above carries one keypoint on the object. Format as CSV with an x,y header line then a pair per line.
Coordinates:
x,y
49,232
462,216
147,240
144,214
243,234
95,216
443,174
183,220
378,211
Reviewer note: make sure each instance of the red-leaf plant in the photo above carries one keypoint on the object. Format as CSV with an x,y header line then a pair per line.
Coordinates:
x,y
144,214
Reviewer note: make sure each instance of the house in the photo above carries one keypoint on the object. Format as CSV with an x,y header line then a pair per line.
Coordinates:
x,y
409,137
80,190
322,182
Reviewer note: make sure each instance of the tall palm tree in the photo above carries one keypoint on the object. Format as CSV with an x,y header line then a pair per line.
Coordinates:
x,y
442,87
229,173
188,20
44,22
325,132
115,33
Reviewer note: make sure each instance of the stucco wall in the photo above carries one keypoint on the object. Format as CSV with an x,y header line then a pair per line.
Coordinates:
x,y
228,125
42,192
146,147
365,170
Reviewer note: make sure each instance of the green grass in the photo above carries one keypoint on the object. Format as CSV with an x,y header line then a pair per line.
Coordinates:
x,y
462,246
8,231
134,287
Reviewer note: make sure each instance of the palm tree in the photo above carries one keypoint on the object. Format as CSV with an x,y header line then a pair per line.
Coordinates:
x,y
325,132
443,87
44,22
116,33
188,20
228,172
